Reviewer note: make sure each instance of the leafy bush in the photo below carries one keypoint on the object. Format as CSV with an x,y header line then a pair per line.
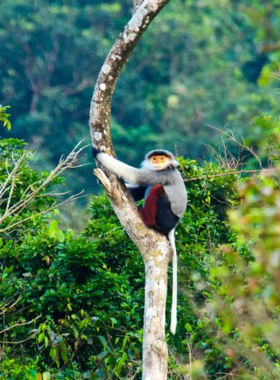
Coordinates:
x,y
246,282
76,303
72,304
66,299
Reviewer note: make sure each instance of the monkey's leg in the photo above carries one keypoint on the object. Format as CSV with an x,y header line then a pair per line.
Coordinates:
x,y
149,212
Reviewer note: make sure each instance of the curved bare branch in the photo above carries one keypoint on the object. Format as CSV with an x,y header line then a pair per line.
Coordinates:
x,y
100,108
100,114
154,247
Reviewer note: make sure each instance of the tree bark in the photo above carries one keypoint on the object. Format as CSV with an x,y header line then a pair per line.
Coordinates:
x,y
154,247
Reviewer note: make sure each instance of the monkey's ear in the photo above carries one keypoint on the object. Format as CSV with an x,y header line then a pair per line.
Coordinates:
x,y
95,152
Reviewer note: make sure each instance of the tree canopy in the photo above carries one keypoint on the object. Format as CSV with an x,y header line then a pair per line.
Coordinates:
x,y
199,64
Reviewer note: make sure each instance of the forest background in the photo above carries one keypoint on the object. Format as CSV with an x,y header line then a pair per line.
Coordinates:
x,y
198,65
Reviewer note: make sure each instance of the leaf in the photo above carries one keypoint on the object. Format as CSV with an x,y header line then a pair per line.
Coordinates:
x,y
60,236
103,354
46,341
54,353
188,327
52,228
103,341
41,337
114,321
63,351
121,362
69,306
84,323
76,332
33,374
199,324
124,342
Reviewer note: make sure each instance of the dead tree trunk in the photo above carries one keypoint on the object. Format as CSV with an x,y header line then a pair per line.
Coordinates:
x,y
154,247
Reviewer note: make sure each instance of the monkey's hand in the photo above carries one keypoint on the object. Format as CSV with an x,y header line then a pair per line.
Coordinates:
x,y
95,152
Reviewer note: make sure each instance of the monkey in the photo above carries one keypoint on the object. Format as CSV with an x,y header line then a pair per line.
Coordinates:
x,y
161,185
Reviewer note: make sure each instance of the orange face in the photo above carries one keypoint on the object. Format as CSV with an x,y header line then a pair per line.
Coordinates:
x,y
159,160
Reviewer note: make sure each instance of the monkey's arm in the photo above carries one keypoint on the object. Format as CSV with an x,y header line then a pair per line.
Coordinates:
x,y
127,173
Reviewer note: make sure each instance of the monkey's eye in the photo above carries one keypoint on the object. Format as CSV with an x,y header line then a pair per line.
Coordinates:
x,y
158,158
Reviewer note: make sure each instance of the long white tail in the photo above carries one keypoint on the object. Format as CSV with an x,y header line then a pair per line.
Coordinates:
x,y
171,238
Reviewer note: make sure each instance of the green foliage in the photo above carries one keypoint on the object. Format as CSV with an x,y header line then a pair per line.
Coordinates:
x,y
4,116
72,305
80,296
76,302
247,287
47,275
265,138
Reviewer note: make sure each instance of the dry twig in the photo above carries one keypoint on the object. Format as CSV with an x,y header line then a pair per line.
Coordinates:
x,y
33,191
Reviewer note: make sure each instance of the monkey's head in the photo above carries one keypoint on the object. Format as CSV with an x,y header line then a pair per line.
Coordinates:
x,y
159,159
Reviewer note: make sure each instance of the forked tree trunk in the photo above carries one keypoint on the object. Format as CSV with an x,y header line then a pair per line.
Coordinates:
x,y
154,247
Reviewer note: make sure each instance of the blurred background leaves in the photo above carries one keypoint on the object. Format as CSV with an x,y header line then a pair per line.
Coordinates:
x,y
198,64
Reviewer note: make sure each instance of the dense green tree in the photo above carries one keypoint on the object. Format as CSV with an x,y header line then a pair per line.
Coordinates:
x,y
75,302
72,304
